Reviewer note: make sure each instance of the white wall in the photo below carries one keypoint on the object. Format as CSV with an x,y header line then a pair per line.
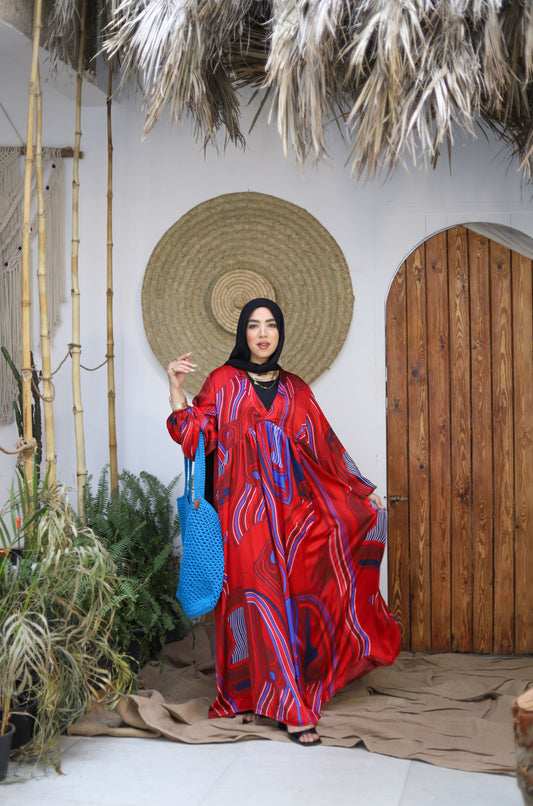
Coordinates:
x,y
376,226
158,180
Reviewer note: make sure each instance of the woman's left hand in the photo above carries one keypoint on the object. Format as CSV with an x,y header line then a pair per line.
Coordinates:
x,y
377,501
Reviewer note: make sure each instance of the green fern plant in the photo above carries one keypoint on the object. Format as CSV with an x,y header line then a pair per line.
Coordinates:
x,y
138,526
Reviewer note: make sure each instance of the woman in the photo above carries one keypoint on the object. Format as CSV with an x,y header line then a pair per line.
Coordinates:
x,y
300,614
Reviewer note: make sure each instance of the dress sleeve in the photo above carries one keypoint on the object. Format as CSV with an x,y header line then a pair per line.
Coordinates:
x,y
329,452
184,425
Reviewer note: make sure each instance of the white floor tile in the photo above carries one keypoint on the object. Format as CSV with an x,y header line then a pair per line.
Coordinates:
x,y
104,771
284,774
438,786
125,772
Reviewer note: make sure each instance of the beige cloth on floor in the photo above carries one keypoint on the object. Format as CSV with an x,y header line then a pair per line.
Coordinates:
x,y
453,710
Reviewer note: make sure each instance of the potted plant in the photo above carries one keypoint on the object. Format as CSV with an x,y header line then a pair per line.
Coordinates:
x,y
6,736
139,527
58,597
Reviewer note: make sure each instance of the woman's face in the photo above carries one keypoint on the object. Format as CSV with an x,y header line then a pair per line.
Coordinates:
x,y
261,335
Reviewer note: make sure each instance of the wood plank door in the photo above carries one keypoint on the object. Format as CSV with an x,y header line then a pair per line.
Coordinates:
x,y
460,446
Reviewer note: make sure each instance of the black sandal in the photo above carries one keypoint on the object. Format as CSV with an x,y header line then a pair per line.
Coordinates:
x,y
295,736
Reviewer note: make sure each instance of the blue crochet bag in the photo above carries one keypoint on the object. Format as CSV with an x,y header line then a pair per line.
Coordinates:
x,y
202,559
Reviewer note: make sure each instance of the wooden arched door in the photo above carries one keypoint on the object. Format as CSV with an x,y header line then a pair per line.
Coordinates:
x,y
460,446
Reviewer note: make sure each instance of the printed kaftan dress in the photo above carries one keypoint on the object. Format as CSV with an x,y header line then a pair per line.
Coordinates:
x,y
300,614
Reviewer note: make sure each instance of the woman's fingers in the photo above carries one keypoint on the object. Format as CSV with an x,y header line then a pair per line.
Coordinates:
x,y
181,366
377,501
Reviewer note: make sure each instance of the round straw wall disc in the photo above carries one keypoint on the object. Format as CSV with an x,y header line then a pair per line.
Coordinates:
x,y
229,250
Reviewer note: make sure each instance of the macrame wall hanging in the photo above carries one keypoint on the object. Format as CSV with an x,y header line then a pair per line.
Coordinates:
x,y
11,201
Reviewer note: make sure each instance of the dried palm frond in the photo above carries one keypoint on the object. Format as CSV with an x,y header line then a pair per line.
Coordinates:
x,y
415,73
512,122
64,30
302,70
248,50
176,49
405,75
62,33
383,59
489,39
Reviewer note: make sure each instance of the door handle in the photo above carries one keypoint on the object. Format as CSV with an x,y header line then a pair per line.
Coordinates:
x,y
394,499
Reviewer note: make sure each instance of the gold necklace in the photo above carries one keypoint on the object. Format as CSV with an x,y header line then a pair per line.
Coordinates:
x,y
262,385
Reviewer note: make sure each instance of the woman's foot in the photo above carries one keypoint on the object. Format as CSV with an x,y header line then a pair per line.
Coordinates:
x,y
247,717
306,736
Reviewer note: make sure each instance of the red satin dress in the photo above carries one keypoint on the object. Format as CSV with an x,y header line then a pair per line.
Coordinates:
x,y
300,614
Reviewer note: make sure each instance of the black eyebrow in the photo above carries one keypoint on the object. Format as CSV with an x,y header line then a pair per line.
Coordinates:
x,y
257,320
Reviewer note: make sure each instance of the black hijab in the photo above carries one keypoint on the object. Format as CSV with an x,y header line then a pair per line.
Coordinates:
x,y
240,355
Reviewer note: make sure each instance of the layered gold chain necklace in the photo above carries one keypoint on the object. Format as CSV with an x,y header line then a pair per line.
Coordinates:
x,y
264,384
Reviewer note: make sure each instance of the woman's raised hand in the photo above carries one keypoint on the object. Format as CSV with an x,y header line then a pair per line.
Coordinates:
x,y
179,369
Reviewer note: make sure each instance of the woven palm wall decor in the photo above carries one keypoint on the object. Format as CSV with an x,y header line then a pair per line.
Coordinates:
x,y
229,250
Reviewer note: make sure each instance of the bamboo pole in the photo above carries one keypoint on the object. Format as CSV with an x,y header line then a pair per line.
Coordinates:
x,y
25,257
43,299
113,464
81,469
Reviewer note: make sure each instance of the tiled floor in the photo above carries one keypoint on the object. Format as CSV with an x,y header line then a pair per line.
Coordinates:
x,y
142,772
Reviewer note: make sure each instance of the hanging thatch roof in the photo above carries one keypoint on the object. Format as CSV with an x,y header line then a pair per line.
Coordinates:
x,y
400,76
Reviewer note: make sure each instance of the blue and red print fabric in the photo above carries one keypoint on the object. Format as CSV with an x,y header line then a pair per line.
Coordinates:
x,y
300,614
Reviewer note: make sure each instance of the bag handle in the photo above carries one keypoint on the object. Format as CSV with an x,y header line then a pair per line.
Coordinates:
x,y
188,478
199,472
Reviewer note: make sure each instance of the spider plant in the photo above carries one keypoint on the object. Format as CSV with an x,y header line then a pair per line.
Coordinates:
x,y
58,597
